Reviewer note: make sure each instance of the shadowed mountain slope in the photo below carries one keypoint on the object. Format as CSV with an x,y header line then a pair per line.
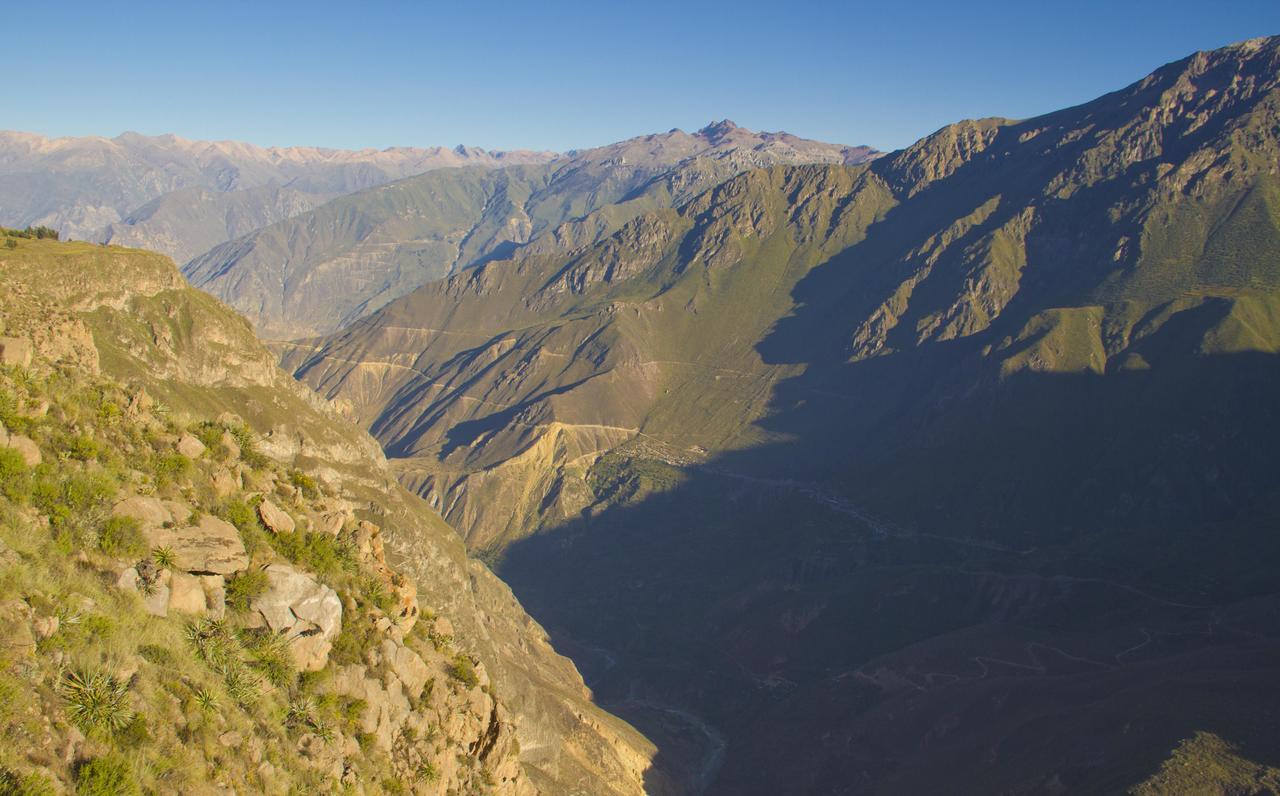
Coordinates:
x,y
953,467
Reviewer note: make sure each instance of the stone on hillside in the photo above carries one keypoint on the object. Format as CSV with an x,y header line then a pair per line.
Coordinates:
x,y
140,403
224,483
215,595
275,518
16,639
230,445
27,447
4,436
407,665
45,626
302,609
154,591
211,546
186,594
15,351
442,627
330,523
148,511
190,447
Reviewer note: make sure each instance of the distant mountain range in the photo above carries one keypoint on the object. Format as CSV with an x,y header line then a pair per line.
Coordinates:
x,y
955,466
182,197
319,271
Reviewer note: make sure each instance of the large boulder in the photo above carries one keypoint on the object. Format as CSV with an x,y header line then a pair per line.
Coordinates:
x,y
209,547
407,666
190,447
275,518
305,611
15,351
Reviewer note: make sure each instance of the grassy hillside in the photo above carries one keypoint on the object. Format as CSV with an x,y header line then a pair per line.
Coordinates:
x,y
875,471
84,321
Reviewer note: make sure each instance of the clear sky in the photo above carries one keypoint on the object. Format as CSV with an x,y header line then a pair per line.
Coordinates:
x,y
557,75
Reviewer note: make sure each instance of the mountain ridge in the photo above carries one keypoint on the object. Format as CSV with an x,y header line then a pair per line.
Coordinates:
x,y
889,443
357,253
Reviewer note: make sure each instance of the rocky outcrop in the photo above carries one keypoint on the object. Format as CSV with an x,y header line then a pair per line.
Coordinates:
x,y
304,611
199,544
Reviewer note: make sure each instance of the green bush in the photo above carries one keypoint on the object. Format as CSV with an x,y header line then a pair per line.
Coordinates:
x,y
249,453
244,587
83,447
305,483
271,655
106,776
464,671
72,500
33,783
121,536
15,477
172,466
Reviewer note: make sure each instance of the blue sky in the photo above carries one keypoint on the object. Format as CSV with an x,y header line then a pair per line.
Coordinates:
x,y
560,75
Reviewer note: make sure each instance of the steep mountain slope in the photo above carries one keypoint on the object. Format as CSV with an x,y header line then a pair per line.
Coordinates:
x,y
96,188
128,315
319,272
954,467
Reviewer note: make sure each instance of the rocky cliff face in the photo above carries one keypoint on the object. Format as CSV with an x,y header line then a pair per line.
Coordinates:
x,y
932,442
259,515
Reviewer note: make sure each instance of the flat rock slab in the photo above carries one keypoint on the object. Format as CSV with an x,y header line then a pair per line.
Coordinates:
x,y
211,546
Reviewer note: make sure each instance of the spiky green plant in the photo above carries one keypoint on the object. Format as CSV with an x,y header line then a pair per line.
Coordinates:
x,y
164,557
96,701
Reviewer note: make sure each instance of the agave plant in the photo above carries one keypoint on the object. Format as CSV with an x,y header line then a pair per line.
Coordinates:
x,y
96,701
205,700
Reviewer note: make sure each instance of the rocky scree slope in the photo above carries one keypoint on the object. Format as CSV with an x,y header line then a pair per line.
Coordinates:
x,y
939,444
243,488
322,270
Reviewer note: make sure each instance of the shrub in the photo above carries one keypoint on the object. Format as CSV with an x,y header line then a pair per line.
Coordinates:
x,y
244,587
427,772
209,434
305,483
121,536
96,701
464,671
158,655
72,501
33,783
83,447
249,453
271,655
15,477
172,465
106,776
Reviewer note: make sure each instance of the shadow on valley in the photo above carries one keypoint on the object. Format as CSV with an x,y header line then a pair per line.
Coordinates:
x,y
1021,583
